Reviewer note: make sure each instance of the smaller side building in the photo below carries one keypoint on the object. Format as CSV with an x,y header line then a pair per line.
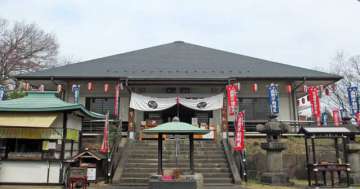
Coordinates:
x,y
37,133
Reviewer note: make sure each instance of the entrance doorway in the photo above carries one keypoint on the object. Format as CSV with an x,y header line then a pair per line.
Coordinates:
x,y
185,115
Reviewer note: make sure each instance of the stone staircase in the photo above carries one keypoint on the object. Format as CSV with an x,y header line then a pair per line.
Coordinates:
x,y
209,159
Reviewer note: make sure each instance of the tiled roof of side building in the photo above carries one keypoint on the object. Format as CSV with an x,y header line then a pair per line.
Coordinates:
x,y
179,60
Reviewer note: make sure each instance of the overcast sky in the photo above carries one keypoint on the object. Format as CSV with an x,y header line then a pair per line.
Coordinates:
x,y
306,33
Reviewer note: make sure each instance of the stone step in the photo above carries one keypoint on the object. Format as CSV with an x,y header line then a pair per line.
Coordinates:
x,y
172,156
209,160
218,180
127,185
223,180
155,151
172,148
134,180
206,175
196,160
173,164
200,170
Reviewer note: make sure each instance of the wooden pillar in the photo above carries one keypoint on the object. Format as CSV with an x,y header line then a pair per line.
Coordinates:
x,y
72,148
314,157
191,142
307,161
160,143
62,154
131,123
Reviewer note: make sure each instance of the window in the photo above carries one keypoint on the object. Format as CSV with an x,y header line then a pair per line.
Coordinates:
x,y
24,145
171,90
255,108
100,105
184,90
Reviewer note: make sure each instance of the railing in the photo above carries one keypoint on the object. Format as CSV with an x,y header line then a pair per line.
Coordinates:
x,y
96,126
250,125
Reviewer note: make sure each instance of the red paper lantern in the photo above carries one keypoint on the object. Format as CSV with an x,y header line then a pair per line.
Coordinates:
x,y
90,86
26,86
289,88
254,87
106,87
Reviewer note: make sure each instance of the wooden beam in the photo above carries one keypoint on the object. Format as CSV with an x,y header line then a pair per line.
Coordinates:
x,y
160,143
191,141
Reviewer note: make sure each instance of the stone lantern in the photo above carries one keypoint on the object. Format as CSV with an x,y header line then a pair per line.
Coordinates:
x,y
274,174
353,151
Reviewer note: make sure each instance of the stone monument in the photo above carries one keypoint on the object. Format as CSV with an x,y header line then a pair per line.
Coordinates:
x,y
353,151
274,174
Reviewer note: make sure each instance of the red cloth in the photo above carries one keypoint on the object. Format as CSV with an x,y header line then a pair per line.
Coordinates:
x,y
336,117
240,132
232,98
105,148
116,100
313,93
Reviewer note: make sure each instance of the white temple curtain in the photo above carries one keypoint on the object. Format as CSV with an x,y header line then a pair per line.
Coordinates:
x,y
150,104
147,103
203,104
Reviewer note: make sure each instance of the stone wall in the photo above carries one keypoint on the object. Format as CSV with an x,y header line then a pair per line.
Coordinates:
x,y
294,156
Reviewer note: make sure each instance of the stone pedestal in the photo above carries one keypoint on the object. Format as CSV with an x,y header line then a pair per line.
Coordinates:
x,y
274,174
354,161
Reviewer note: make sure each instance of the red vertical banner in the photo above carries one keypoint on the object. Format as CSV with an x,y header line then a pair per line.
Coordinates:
x,y
336,117
105,148
357,116
116,100
313,93
240,132
232,98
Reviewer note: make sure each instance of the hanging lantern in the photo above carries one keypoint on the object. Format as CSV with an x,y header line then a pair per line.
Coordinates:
x,y
238,86
42,88
90,86
26,86
106,87
289,88
254,87
327,91
305,89
121,86
59,88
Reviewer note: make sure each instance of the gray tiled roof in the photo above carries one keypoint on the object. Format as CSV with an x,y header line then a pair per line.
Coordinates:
x,y
179,60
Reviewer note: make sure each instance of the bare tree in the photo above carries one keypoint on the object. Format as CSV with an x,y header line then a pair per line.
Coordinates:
x,y
25,47
349,69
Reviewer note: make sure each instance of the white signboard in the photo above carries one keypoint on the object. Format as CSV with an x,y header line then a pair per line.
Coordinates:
x,y
91,173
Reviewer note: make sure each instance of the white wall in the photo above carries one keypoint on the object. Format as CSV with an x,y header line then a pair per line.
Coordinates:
x,y
29,171
73,121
